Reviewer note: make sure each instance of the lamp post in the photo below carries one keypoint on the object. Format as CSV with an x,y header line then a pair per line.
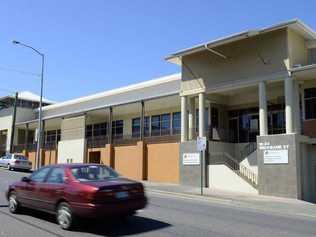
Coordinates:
x,y
39,136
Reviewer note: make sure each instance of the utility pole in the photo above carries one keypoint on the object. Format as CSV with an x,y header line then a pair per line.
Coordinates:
x,y
13,122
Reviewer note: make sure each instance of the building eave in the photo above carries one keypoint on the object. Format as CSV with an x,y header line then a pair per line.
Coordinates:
x,y
295,24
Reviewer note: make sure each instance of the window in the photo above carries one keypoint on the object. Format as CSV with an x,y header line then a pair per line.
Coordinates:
x,y
146,126
40,175
96,130
310,103
214,117
276,122
155,125
117,128
89,131
176,123
93,173
99,129
136,127
56,176
165,124
206,116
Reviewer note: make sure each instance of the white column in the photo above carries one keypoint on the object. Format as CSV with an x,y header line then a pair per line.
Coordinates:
x,y
184,119
191,118
263,123
296,110
288,87
201,115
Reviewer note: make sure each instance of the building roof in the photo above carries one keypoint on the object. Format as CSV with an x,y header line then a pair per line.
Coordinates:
x,y
294,24
29,96
156,88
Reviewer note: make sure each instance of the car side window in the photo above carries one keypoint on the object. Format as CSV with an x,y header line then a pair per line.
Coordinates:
x,y
57,176
40,175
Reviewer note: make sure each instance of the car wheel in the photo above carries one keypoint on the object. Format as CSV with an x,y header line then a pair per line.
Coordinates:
x,y
65,217
14,205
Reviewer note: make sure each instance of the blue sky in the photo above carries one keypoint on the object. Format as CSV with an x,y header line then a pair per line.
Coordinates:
x,y
96,45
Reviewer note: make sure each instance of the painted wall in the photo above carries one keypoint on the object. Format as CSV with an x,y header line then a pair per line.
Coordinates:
x,y
298,52
163,162
129,160
244,63
221,177
282,180
72,143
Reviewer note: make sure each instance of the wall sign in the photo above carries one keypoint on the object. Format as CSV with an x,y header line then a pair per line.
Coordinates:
x,y
275,157
201,143
191,159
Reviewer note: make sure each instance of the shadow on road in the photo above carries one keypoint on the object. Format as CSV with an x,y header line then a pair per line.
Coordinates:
x,y
107,227
130,226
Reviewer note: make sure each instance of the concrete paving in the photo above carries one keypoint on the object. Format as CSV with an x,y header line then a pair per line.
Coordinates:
x,y
166,215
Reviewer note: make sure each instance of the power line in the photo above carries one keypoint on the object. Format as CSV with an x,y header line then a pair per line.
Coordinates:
x,y
3,68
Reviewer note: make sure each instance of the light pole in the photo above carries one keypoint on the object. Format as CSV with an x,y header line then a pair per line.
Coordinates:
x,y
39,135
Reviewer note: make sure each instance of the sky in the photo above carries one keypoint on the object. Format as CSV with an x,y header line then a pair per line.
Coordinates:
x,y
96,45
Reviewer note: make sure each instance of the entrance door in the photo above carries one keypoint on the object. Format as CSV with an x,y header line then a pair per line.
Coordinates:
x,y
95,157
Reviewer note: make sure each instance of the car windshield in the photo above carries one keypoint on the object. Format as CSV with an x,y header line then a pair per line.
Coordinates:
x,y
93,173
18,157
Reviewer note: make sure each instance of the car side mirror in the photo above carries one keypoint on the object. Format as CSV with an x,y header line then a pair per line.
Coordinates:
x,y
26,179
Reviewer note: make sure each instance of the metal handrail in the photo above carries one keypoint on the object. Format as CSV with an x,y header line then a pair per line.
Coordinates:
x,y
243,171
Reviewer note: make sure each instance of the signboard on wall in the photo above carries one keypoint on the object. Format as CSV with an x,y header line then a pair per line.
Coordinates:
x,y
191,159
275,156
201,143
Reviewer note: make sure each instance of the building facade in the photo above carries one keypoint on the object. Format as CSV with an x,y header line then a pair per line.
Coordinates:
x,y
252,95
26,104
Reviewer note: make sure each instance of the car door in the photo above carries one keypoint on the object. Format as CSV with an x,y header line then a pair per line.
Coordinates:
x,y
28,193
2,161
53,188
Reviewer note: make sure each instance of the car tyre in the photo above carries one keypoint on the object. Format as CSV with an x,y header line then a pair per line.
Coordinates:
x,y
64,216
14,205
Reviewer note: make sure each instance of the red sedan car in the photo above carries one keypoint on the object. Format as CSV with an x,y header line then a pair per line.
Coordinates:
x,y
77,190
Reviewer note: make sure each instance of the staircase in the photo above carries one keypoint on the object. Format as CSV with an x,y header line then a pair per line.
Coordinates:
x,y
244,172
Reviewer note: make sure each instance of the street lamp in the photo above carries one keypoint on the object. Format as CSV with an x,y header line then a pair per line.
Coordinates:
x,y
39,136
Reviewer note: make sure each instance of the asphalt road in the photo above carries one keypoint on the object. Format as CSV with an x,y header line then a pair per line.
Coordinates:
x,y
166,215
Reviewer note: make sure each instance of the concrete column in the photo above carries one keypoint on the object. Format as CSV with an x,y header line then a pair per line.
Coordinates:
x,y
191,118
142,117
201,115
263,122
303,101
26,136
184,119
296,110
110,125
288,87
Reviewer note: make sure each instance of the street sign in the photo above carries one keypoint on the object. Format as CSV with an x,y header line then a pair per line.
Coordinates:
x,y
201,143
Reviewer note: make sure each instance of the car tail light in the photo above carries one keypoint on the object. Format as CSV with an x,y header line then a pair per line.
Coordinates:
x,y
30,163
17,162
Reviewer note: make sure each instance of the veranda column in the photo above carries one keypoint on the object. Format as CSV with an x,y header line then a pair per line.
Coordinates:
x,y
296,110
288,87
263,123
110,125
191,117
184,119
142,117
26,136
201,115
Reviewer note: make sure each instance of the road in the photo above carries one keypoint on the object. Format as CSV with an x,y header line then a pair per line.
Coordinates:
x,y
166,215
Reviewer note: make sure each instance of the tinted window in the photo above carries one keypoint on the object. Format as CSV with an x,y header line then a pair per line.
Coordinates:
x,y
18,157
56,176
136,127
40,175
93,173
